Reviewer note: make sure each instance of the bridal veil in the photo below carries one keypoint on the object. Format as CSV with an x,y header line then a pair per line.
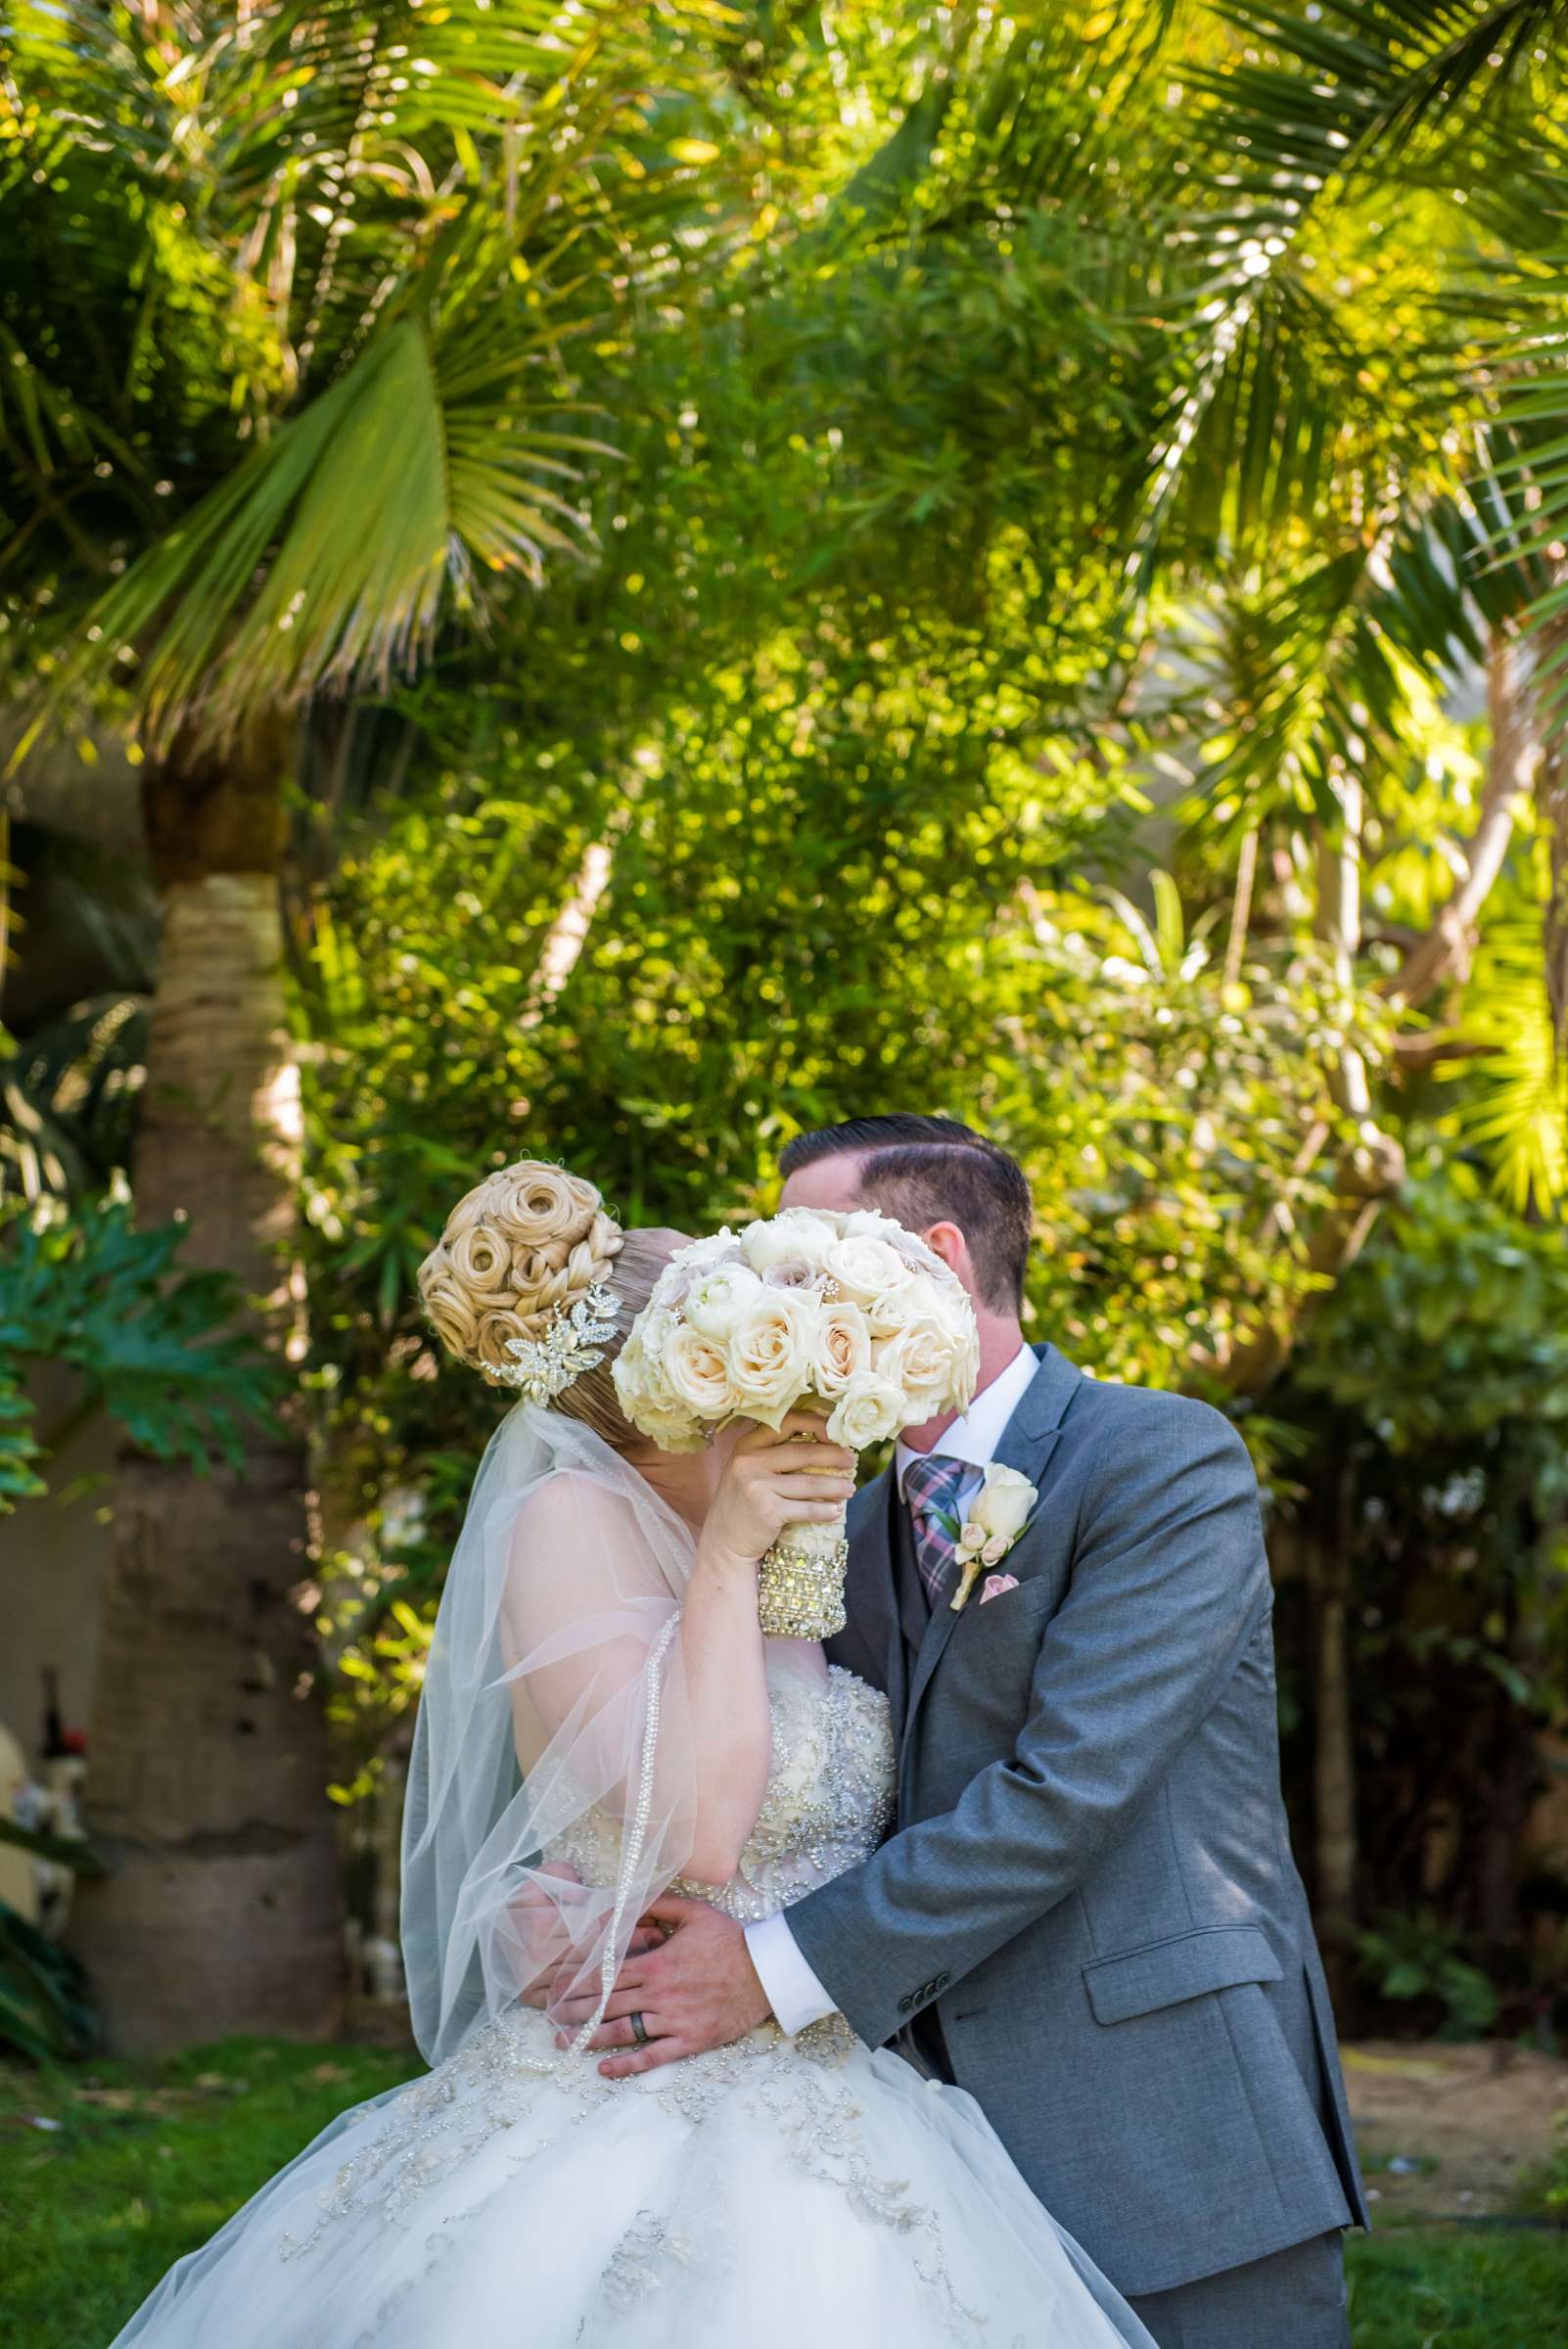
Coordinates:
x,y
551,1789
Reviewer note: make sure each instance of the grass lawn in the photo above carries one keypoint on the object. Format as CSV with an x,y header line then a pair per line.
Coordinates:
x,y
149,2159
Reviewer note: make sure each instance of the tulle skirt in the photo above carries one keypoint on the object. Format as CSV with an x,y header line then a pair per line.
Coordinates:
x,y
772,2194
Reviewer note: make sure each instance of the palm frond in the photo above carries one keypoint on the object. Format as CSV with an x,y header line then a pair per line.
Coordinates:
x,y
332,552
427,224
1516,1109
1334,668
67,1098
226,215
1358,80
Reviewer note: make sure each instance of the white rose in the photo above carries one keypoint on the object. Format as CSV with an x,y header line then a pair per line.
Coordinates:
x,y
719,1248
943,1297
773,1353
674,1431
696,1373
843,1346
629,1371
867,1269
1002,1508
868,1411
794,1273
894,1310
651,1331
922,1358
921,1258
720,1297
800,1231
648,1401
948,1308
972,1537
869,1223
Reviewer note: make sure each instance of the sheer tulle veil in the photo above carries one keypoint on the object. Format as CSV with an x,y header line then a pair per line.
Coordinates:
x,y
551,1789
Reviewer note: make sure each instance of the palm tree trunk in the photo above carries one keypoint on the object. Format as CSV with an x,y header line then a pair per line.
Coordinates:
x,y
221,1911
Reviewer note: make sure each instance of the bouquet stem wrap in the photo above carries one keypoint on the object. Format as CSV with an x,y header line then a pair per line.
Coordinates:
x,y
799,1585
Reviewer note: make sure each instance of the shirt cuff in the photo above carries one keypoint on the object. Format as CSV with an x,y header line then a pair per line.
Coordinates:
x,y
794,1992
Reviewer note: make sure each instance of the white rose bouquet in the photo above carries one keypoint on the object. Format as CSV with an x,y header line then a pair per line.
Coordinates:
x,y
846,1315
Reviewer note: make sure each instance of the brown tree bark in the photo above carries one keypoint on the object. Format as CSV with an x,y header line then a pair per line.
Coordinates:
x,y
222,1908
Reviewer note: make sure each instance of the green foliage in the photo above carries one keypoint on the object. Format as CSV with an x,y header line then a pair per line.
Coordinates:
x,y
88,1292
1454,1331
1545,2190
68,1094
1430,1402
1515,1104
299,274
67,1851
46,2011
19,1446
1417,1960
1160,1109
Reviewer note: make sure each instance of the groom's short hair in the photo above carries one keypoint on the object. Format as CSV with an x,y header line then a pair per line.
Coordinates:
x,y
926,1171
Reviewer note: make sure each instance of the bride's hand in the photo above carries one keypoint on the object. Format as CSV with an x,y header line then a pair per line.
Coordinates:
x,y
770,1480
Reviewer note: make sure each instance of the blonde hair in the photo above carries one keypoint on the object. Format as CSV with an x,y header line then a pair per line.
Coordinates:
x,y
520,1247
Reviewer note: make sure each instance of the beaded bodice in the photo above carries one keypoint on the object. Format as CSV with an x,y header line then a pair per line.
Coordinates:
x,y
828,1804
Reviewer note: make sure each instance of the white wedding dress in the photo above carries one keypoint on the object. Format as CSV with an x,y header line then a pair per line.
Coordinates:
x,y
779,2194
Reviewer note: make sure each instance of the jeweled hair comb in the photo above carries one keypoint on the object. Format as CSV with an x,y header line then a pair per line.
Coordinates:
x,y
574,1342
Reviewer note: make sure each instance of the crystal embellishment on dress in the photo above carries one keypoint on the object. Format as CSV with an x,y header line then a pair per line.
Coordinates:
x,y
574,1342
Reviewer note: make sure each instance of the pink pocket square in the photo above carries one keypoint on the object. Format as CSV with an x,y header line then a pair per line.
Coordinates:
x,y
996,1584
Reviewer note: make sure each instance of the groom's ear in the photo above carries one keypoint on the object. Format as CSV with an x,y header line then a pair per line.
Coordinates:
x,y
947,1241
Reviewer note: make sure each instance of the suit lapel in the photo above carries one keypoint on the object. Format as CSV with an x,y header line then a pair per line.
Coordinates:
x,y
1027,1444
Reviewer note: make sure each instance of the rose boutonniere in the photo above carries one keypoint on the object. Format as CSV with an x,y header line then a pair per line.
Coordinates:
x,y
1001,1513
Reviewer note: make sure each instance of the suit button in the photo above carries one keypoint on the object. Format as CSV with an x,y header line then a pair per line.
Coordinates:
x,y
940,1983
904,2004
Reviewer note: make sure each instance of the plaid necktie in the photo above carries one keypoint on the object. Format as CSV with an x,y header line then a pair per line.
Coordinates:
x,y
931,1485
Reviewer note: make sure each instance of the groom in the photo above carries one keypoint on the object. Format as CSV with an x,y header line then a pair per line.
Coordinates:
x,y
1088,1917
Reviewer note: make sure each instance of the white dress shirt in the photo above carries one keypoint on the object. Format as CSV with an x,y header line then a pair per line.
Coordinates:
x,y
794,1992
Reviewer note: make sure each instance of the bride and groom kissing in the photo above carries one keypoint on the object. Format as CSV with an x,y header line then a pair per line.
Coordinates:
x,y
959,1983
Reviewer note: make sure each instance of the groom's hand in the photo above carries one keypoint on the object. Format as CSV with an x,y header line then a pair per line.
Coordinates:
x,y
694,1990
545,1947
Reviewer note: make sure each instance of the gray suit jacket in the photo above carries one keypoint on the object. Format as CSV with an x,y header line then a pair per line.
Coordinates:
x,y
1091,1883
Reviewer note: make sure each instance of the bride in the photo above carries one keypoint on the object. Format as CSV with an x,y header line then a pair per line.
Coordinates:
x,y
603,1723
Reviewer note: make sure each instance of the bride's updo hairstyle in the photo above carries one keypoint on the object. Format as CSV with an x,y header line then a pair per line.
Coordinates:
x,y
522,1245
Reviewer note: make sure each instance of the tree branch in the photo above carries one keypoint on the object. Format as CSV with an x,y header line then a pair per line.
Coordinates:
x,y
1447,949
